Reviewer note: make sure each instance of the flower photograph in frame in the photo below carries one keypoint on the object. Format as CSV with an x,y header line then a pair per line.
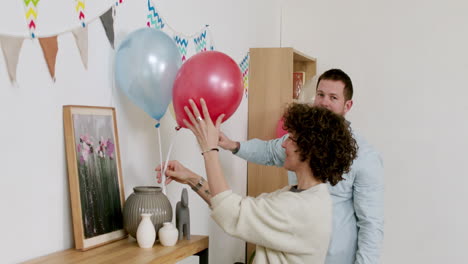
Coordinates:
x,y
94,175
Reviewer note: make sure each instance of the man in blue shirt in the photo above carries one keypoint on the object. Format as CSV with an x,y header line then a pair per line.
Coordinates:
x,y
358,200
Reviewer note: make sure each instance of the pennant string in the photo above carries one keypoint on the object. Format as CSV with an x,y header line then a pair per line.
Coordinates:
x,y
58,33
203,39
160,22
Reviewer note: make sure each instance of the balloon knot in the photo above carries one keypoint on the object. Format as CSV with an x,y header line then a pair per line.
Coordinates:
x,y
177,128
157,125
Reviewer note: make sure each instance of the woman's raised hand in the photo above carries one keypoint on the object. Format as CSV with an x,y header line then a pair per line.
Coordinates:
x,y
205,131
177,172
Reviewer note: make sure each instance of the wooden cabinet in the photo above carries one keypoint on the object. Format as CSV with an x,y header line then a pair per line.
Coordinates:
x,y
270,90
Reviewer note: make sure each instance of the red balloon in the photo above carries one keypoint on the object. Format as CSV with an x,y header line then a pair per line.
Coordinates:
x,y
279,129
210,75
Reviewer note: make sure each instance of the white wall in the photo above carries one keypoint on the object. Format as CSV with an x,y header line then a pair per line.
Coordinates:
x,y
34,198
408,62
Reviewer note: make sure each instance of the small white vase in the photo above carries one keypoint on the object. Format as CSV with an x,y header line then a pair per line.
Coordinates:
x,y
168,234
146,234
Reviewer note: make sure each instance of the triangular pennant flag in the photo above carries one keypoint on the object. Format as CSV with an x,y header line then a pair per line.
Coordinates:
x,y
244,66
80,10
200,41
181,43
30,11
107,20
81,38
154,18
50,48
11,47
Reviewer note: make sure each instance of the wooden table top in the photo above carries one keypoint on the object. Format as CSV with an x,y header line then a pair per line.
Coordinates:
x,y
127,251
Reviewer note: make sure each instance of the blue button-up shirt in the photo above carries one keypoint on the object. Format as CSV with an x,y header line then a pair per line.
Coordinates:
x,y
358,200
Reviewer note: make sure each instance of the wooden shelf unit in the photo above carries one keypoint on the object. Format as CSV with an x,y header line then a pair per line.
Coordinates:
x,y
270,90
127,251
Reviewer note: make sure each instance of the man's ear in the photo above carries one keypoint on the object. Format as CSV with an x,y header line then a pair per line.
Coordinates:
x,y
348,105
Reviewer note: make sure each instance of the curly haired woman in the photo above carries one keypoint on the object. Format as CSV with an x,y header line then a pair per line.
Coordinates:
x,y
292,224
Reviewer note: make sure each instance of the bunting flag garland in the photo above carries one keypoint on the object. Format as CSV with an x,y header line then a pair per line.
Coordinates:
x,y
81,39
30,9
80,7
182,45
107,20
244,66
154,19
204,40
11,47
50,48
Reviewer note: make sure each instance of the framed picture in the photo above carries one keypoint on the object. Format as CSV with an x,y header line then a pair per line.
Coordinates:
x,y
298,83
94,174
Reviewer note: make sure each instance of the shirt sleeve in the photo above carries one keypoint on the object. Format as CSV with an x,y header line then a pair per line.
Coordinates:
x,y
271,220
263,152
369,208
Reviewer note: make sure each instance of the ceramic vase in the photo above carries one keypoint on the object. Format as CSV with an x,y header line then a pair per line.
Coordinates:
x,y
168,235
146,234
146,199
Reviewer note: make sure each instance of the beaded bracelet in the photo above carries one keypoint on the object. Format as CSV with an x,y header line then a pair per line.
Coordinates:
x,y
216,149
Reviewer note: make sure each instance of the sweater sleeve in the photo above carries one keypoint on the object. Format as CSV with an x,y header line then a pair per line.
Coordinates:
x,y
279,220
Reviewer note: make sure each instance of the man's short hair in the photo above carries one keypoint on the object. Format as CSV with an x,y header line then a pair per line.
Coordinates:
x,y
339,75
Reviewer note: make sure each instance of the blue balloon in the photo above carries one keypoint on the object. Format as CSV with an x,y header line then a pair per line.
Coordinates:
x,y
146,64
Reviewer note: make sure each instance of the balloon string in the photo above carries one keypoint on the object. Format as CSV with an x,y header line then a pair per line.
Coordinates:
x,y
163,175
167,159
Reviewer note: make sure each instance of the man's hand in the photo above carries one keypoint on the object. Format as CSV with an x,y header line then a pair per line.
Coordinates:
x,y
226,143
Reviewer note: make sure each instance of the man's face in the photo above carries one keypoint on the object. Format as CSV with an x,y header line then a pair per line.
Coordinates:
x,y
330,95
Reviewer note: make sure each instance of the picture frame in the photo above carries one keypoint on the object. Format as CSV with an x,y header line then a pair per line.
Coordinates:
x,y
298,83
94,175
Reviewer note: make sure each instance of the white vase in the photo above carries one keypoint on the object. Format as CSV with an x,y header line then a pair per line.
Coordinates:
x,y
146,234
168,234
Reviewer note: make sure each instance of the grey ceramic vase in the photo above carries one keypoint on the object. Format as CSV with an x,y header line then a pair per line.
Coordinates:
x,y
146,199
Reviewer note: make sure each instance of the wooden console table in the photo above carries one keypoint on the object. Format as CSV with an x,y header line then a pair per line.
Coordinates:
x,y
127,251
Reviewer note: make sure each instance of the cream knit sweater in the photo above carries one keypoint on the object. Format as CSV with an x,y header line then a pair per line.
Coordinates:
x,y
287,227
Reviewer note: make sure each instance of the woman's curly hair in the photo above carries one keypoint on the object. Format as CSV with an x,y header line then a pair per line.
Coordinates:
x,y
324,138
